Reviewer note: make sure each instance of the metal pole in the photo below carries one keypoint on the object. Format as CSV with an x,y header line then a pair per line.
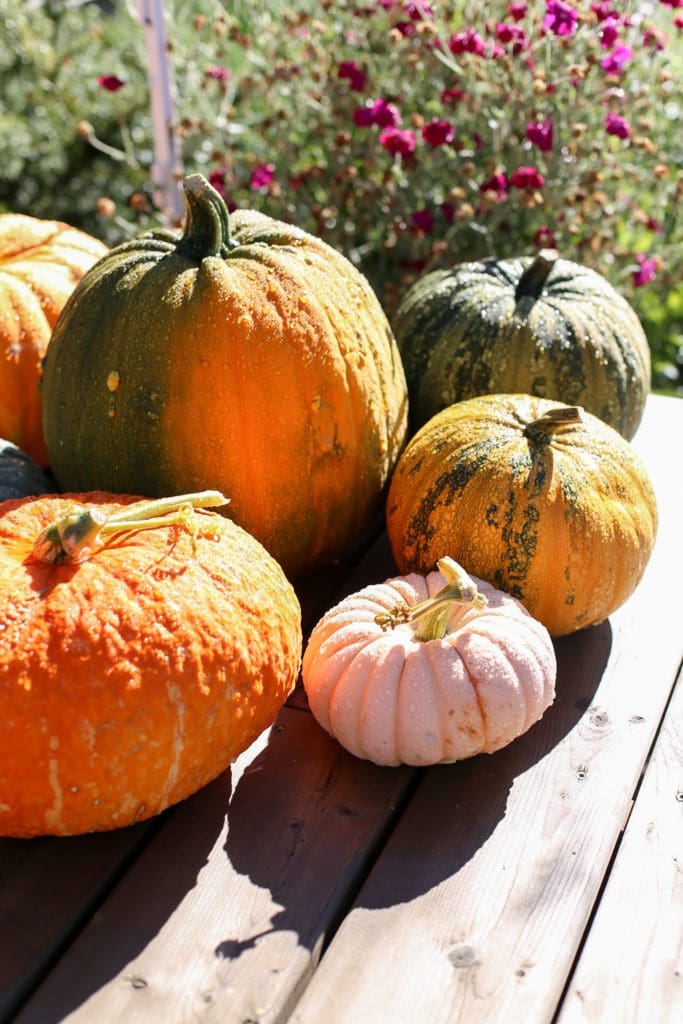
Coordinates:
x,y
166,167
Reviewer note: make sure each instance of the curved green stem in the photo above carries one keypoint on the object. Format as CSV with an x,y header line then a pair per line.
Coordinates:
x,y
429,618
207,227
553,422
66,538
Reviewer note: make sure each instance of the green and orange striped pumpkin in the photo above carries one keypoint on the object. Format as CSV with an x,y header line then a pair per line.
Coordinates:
x,y
545,326
241,354
541,499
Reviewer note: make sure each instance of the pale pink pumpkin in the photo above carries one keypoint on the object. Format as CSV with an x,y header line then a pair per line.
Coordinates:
x,y
423,670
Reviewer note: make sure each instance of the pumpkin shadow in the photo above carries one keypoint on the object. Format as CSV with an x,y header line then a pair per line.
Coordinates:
x,y
311,864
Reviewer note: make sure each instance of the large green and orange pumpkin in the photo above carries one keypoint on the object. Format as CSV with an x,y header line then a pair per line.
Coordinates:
x,y
544,326
242,354
143,646
541,499
41,262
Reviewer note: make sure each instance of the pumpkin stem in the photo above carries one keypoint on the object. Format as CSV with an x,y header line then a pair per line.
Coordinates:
x,y
532,281
66,538
552,422
207,228
429,618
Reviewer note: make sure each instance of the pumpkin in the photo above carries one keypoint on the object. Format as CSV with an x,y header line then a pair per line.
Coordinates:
x,y
246,355
421,670
543,500
545,326
40,263
143,646
19,474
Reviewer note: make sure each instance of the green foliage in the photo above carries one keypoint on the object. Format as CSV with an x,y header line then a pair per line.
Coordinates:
x,y
262,108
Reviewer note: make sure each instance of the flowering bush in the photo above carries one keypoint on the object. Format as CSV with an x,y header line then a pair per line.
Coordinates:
x,y
409,134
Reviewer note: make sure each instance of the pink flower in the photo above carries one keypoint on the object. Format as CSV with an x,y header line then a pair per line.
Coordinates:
x,y
527,177
647,270
615,61
541,134
262,175
220,74
438,133
560,18
545,238
678,22
653,37
396,141
511,34
110,82
452,95
422,220
517,9
419,10
355,74
498,184
603,10
467,42
379,112
617,125
609,33
653,225
217,179
675,5
448,212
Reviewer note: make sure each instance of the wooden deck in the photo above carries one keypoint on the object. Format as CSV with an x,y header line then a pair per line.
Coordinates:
x,y
543,883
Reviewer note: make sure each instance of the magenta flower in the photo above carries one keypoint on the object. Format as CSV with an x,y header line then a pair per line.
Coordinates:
x,y
419,10
355,74
545,238
262,175
653,37
541,134
217,179
615,61
511,34
110,82
498,184
438,133
603,10
678,22
675,5
398,142
422,220
452,95
379,112
448,212
527,178
560,18
647,270
467,42
219,73
609,33
517,9
617,125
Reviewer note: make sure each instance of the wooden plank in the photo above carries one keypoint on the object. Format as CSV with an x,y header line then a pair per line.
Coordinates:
x,y
48,887
631,967
476,907
223,917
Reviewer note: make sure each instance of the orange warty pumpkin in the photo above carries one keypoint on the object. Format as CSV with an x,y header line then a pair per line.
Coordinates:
x,y
134,671
41,262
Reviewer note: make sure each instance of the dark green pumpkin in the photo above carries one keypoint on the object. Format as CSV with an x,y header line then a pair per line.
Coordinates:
x,y
20,476
545,327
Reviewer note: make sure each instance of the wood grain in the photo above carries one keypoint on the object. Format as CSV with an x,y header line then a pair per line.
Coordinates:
x,y
478,904
224,915
631,968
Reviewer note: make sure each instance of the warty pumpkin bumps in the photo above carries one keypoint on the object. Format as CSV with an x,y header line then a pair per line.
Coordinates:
x,y
543,500
143,646
542,326
245,355
41,261
428,669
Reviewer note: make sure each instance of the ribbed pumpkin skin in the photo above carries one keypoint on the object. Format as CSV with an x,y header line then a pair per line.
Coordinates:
x,y
19,474
268,371
565,526
463,333
133,678
41,262
391,698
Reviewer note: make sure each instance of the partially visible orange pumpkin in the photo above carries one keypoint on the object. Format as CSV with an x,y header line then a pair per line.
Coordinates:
x,y
133,671
41,261
541,499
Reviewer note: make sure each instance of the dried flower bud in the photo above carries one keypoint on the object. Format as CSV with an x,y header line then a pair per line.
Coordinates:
x,y
84,130
104,207
139,202
660,171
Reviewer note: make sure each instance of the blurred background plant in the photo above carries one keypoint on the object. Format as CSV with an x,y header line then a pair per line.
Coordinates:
x,y
409,134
